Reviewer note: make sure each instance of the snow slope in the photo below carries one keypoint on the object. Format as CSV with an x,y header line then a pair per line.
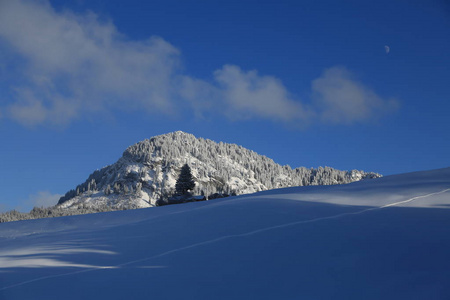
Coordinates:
x,y
386,238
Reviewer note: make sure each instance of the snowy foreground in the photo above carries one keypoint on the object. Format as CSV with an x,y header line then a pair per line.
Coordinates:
x,y
386,238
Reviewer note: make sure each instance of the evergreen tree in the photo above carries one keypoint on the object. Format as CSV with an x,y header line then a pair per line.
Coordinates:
x,y
185,181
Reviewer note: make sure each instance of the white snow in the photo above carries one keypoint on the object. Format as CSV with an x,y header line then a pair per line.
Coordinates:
x,y
385,238
154,165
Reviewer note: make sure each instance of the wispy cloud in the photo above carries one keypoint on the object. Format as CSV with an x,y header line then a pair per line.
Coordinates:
x,y
248,94
339,98
73,65
39,199
77,63
43,199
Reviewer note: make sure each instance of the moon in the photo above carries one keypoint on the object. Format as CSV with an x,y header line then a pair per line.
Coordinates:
x,y
387,49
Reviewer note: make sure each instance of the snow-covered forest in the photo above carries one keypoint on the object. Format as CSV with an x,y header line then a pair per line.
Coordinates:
x,y
147,172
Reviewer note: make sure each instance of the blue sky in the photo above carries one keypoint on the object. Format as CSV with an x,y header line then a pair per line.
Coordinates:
x,y
306,83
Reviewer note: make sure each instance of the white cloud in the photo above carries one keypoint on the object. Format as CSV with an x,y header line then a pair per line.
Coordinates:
x,y
247,94
43,199
340,99
39,199
75,64
31,109
241,95
202,96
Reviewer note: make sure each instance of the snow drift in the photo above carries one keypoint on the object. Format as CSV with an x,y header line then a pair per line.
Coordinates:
x,y
386,238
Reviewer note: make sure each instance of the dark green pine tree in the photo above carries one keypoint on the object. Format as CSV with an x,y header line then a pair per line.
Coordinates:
x,y
185,181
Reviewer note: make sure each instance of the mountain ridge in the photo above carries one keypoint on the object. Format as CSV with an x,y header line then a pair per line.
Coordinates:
x,y
147,172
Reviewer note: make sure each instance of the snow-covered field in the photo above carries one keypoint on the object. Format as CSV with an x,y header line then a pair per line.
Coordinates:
x,y
386,238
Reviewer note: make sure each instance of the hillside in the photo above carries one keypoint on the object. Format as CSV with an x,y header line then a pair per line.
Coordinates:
x,y
386,238
148,170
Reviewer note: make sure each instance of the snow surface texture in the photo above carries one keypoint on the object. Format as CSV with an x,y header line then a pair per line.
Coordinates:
x,y
386,238
148,170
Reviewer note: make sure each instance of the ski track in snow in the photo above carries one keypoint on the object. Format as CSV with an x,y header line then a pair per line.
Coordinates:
x,y
227,237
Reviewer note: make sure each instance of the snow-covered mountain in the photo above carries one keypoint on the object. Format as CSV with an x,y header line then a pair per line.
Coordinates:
x,y
148,170
386,238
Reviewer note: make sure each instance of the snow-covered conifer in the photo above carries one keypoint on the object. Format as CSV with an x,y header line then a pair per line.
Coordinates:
x,y
185,181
